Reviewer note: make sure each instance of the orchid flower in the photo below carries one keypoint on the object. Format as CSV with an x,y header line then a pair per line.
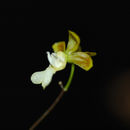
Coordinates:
x,y
61,56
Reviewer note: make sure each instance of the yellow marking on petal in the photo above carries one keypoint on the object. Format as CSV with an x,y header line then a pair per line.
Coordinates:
x,y
73,43
59,46
81,59
91,53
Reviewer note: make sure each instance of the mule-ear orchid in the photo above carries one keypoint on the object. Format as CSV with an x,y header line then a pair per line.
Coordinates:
x,y
62,54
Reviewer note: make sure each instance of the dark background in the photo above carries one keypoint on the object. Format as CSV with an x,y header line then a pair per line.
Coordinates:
x,y
28,30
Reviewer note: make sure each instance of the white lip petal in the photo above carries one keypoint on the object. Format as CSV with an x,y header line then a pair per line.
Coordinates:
x,y
43,77
37,77
57,62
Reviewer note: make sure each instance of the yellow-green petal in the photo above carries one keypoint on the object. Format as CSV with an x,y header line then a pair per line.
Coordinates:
x,y
81,59
59,46
91,53
73,42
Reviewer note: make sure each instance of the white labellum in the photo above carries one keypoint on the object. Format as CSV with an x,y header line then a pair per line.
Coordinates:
x,y
43,77
57,62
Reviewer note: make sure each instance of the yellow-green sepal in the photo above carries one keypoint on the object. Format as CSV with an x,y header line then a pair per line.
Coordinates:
x,y
73,42
81,59
91,53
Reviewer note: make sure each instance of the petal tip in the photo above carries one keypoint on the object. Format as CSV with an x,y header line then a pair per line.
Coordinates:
x,y
36,77
59,46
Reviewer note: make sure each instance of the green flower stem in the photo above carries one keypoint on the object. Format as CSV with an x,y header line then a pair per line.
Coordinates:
x,y
64,89
70,78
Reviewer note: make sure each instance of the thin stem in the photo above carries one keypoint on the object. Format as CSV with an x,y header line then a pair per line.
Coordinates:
x,y
48,110
63,90
70,77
